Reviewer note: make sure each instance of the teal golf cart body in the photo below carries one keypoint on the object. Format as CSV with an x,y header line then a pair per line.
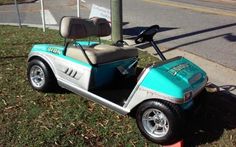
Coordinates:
x,y
108,74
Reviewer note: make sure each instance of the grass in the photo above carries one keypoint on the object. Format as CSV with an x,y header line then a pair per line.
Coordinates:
x,y
30,118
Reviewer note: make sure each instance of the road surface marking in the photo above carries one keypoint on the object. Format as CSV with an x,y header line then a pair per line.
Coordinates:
x,y
193,7
49,18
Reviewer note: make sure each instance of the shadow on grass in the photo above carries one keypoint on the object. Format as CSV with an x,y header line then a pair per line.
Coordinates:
x,y
58,90
218,116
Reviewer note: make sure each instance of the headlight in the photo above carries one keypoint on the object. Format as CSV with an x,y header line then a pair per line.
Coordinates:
x,y
187,96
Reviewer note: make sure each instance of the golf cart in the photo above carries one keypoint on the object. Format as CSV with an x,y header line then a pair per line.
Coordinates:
x,y
108,74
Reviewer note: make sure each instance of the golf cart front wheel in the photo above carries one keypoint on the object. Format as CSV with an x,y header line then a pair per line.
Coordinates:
x,y
159,122
40,75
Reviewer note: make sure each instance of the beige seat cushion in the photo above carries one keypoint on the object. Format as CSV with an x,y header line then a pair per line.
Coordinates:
x,y
102,53
124,52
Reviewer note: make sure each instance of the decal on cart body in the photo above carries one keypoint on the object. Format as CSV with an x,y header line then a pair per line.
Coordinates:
x,y
54,50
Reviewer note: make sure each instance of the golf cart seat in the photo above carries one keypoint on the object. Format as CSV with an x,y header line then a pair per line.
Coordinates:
x,y
102,54
76,28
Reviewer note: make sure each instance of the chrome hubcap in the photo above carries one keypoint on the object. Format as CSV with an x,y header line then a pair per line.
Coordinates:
x,y
37,76
155,123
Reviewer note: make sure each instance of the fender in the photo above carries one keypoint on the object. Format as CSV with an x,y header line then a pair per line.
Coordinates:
x,y
46,57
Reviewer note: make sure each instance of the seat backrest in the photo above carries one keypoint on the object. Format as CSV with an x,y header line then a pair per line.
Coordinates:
x,y
76,28
102,25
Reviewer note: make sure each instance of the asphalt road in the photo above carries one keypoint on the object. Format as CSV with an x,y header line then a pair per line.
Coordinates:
x,y
220,4
193,29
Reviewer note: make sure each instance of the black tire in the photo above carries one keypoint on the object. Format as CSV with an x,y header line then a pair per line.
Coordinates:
x,y
46,80
165,111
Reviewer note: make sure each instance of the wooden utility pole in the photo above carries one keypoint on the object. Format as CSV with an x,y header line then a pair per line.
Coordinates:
x,y
116,20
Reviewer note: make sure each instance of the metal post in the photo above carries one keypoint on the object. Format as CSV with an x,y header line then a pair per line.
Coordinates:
x,y
78,8
18,13
43,15
116,20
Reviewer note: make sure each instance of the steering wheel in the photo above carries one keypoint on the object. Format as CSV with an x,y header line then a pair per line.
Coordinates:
x,y
147,35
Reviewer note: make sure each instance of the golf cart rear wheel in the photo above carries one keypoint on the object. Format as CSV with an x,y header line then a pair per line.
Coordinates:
x,y
159,122
40,76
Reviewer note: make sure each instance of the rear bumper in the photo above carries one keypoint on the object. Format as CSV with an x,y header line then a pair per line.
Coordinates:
x,y
196,95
